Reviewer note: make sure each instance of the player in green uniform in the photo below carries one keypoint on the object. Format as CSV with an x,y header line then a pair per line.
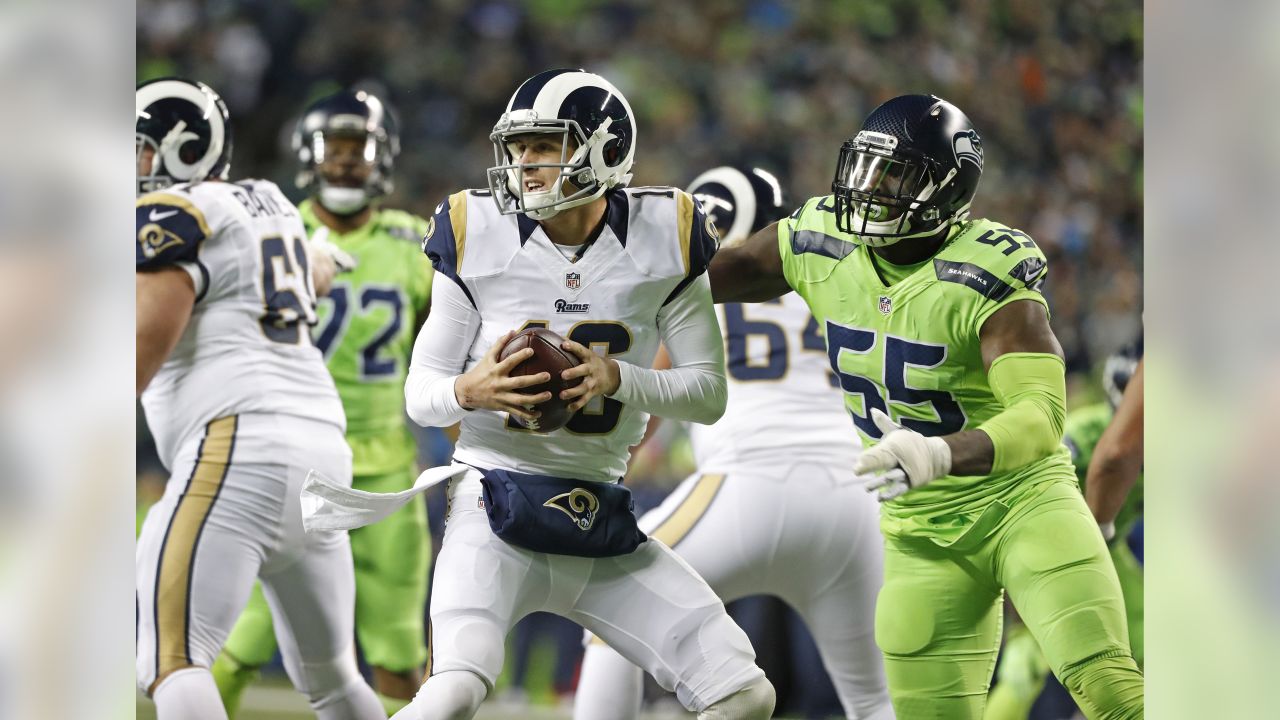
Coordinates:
x,y
1023,669
937,330
346,144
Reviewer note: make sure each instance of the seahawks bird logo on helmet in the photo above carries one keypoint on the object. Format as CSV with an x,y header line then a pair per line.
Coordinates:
x,y
182,133
354,114
911,171
598,134
739,201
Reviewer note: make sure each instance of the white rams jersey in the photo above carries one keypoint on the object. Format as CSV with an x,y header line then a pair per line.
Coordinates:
x,y
246,348
783,400
654,243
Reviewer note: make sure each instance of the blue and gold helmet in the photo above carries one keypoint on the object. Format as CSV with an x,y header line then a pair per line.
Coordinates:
x,y
596,126
739,201
182,128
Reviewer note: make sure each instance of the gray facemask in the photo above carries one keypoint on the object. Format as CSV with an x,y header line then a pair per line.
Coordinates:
x,y
343,201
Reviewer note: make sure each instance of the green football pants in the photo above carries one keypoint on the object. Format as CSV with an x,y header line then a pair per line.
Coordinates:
x,y
938,616
1023,670
392,559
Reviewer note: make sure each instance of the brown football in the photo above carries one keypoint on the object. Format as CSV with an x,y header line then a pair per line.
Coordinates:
x,y
547,357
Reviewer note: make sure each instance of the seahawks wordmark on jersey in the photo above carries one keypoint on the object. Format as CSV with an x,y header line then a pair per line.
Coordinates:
x,y
246,348
656,241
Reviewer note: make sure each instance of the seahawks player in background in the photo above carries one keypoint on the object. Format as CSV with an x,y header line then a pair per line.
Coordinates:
x,y
938,332
346,146
773,507
1023,670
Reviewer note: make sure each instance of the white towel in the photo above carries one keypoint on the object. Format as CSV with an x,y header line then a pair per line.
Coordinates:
x,y
330,505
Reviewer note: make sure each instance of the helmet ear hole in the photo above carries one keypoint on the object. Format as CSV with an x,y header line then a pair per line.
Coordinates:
x,y
610,153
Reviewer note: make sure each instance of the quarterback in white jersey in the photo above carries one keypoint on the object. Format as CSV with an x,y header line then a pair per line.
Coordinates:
x,y
558,241
774,507
241,406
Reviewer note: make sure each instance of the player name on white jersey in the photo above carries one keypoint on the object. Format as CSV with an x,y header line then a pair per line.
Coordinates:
x,y
246,347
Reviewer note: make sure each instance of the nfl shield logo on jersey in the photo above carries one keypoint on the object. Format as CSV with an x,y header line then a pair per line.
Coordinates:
x,y
572,280
886,304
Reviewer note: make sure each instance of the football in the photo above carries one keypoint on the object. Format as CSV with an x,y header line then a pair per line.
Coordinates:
x,y
548,357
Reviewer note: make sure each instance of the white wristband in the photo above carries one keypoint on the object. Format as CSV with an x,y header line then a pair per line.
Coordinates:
x,y
1108,530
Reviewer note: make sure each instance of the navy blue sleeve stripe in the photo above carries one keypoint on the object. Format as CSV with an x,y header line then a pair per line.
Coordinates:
x,y
819,243
618,214
204,278
167,234
441,245
974,277
703,244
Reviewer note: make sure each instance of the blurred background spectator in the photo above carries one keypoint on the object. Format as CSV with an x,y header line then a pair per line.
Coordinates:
x,y
1054,89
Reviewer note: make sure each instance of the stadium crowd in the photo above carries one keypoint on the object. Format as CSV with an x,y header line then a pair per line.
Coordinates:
x,y
1055,90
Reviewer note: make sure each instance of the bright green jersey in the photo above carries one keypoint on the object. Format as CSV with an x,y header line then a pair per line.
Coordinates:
x,y
1081,432
366,330
911,349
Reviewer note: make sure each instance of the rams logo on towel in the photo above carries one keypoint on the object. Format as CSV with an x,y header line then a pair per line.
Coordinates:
x,y
580,505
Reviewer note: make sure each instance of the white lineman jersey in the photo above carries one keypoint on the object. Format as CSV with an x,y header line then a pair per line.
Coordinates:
x,y
783,400
246,348
655,242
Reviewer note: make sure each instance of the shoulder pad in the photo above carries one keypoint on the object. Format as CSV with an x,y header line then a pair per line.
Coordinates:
x,y
445,239
170,229
993,259
811,229
440,242
677,239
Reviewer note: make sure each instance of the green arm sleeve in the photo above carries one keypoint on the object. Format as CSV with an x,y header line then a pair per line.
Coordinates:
x,y
1032,387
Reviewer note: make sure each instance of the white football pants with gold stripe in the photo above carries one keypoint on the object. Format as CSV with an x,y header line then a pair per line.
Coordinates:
x,y
231,514
806,533
649,603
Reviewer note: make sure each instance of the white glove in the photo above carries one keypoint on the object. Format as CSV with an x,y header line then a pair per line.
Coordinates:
x,y
343,259
905,458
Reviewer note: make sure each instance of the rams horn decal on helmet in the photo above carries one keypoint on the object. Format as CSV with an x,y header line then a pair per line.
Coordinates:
x,y
186,128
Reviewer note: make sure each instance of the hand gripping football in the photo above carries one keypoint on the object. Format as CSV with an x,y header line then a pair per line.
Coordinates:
x,y
547,357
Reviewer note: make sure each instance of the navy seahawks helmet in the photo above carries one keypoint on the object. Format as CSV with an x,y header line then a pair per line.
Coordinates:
x,y
186,128
739,201
596,125
911,171
1119,370
350,113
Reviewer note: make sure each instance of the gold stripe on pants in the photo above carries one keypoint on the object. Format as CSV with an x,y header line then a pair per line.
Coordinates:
x,y
172,604
690,511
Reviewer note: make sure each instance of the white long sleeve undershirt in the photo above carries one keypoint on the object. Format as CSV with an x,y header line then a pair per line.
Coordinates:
x,y
693,389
